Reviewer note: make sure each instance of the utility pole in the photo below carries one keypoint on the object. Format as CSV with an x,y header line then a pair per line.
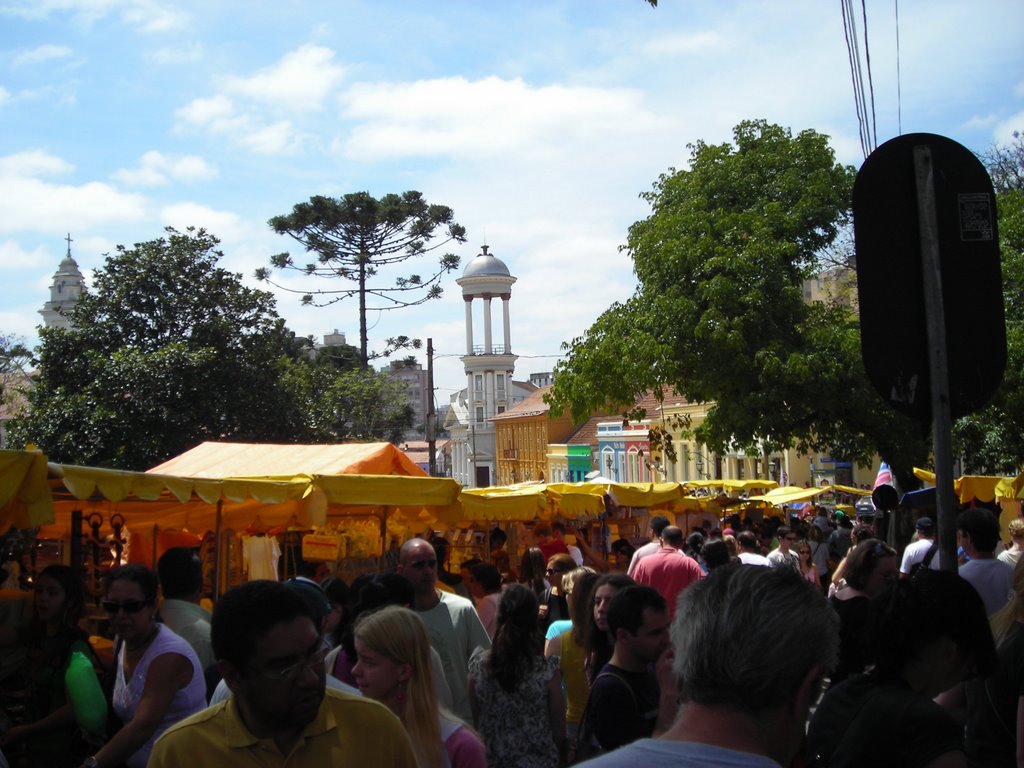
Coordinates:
x,y
431,442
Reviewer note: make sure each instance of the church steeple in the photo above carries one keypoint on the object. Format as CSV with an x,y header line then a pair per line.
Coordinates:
x,y
65,291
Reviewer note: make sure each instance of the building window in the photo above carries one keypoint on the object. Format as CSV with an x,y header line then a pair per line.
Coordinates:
x,y
478,383
499,381
479,414
501,409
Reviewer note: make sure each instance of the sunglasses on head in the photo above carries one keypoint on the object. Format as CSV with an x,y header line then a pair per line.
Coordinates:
x,y
128,606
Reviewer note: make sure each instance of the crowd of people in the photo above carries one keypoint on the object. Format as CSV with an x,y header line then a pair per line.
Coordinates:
x,y
805,642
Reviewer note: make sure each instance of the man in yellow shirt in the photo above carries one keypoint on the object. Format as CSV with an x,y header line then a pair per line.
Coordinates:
x,y
279,714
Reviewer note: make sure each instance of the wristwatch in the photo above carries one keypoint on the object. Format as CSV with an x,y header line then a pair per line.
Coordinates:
x,y
90,762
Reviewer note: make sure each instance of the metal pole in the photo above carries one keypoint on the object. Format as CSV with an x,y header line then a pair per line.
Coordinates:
x,y
938,363
430,426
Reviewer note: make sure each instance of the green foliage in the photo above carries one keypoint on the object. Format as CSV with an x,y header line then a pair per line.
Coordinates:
x,y
992,440
15,359
166,350
357,236
719,313
351,406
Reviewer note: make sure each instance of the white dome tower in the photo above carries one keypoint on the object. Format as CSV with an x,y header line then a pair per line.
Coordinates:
x,y
65,291
489,366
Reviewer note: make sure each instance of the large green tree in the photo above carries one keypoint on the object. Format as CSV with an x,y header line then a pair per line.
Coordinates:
x,y
362,240
166,349
992,440
719,312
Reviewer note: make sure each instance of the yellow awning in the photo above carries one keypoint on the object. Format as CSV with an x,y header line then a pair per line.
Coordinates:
x,y
732,485
500,503
924,475
1010,487
25,498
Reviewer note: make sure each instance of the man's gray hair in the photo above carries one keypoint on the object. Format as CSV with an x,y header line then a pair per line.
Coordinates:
x,y
745,638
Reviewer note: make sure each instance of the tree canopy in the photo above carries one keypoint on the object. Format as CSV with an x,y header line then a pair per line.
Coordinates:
x,y
167,349
359,239
719,313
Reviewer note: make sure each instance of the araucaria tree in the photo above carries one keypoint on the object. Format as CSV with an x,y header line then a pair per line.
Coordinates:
x,y
719,313
166,349
358,238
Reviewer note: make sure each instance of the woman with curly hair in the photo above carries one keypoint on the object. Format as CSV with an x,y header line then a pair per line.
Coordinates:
x,y
394,668
515,692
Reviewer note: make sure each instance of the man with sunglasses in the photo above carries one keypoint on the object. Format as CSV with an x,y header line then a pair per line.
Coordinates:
x,y
452,622
783,556
269,652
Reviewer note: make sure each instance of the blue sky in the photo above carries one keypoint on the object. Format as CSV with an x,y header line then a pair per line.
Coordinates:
x,y
539,123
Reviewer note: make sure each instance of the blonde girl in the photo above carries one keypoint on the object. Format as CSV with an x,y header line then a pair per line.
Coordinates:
x,y
393,667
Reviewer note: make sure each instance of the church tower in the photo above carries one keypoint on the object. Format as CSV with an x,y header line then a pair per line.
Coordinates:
x,y
488,366
65,291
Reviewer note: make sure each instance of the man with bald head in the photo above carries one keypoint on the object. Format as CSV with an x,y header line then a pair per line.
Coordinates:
x,y
455,629
669,570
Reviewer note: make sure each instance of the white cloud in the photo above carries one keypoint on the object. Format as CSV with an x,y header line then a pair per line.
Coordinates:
x,y
33,162
14,256
1003,133
300,82
204,111
683,44
226,225
33,205
178,54
487,116
271,139
155,16
5,95
157,169
147,15
40,54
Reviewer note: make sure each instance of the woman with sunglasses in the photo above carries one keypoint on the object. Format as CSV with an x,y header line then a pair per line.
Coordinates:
x,y
870,567
552,604
49,730
807,567
158,680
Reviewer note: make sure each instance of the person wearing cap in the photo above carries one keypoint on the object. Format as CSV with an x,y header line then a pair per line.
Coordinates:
x,y
917,551
267,644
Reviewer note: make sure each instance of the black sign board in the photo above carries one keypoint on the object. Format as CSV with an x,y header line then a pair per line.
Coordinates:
x,y
890,288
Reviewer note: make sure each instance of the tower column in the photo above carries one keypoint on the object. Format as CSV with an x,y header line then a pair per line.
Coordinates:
x,y
469,324
505,323
488,349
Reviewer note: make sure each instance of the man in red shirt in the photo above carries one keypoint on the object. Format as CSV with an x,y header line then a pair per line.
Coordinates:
x,y
669,570
545,541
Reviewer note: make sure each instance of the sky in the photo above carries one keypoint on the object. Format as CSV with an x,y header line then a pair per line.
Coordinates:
x,y
540,123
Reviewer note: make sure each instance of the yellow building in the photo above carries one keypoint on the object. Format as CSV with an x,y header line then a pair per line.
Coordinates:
x,y
693,461
522,436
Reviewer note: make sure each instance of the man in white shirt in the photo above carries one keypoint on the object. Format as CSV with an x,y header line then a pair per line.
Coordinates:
x,y
750,550
658,524
977,531
781,556
917,551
